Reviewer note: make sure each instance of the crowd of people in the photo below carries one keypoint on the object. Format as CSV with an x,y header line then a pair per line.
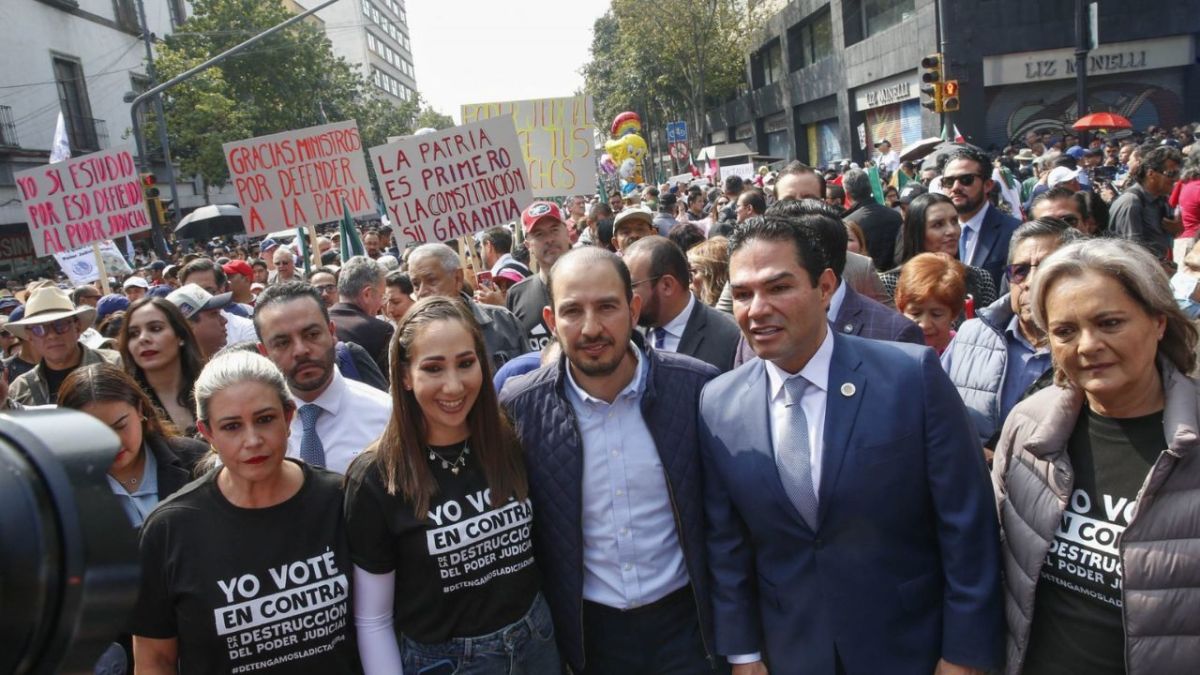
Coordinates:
x,y
778,425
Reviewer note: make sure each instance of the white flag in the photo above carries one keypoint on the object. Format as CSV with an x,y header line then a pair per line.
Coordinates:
x,y
61,149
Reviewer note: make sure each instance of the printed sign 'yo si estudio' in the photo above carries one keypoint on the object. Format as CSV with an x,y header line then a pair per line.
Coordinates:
x,y
75,202
454,182
299,178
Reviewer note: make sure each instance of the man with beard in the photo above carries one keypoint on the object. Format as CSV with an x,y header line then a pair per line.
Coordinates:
x,y
677,321
609,434
966,180
546,238
336,417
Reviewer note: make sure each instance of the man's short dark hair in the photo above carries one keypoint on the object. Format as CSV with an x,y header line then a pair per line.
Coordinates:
x,y
775,227
1053,194
967,152
204,265
734,185
1044,227
1156,160
665,256
400,280
798,168
591,255
278,294
258,262
857,184
1066,160
825,222
650,192
500,238
601,209
324,270
755,199
668,202
686,235
83,291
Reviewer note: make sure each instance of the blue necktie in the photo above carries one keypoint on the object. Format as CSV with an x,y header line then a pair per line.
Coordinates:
x,y
660,337
964,245
312,451
792,455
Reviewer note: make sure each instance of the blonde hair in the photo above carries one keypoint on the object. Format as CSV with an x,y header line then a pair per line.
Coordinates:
x,y
711,258
228,369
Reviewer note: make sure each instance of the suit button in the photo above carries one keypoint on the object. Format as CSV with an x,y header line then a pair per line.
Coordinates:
x,y
847,328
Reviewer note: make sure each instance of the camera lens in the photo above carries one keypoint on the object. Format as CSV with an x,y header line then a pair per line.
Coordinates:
x,y
68,553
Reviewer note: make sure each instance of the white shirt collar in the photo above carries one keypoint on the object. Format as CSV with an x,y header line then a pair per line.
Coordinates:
x,y
330,400
976,221
676,326
835,302
632,388
816,371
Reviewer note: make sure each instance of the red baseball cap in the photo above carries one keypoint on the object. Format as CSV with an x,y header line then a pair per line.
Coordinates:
x,y
539,211
239,267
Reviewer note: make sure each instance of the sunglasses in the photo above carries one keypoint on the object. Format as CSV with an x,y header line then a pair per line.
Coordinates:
x,y
1172,174
43,329
965,180
1019,273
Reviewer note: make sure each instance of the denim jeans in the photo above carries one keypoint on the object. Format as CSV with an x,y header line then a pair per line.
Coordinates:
x,y
525,647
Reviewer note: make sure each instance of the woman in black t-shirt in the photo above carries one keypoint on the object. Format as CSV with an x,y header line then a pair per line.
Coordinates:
x,y
439,516
246,569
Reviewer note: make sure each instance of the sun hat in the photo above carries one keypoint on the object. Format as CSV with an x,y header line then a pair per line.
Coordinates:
x,y
47,304
630,214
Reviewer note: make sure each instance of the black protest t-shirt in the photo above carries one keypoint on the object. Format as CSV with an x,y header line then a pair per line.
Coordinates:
x,y
526,300
250,590
466,570
1077,611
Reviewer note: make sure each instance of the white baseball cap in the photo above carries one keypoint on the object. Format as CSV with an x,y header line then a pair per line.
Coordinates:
x,y
1062,174
135,282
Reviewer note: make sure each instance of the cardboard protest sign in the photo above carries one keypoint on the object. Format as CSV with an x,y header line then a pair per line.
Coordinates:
x,y
299,178
556,137
746,171
80,265
457,181
75,202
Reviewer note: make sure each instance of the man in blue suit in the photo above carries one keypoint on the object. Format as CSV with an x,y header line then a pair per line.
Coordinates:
x,y
851,525
986,231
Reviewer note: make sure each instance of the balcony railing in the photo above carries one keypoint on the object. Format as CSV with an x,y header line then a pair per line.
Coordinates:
x,y
8,129
87,134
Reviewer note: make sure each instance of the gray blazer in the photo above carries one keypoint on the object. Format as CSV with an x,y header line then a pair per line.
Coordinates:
x,y
710,336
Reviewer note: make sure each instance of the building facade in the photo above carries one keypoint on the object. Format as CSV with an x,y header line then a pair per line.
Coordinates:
x,y
827,79
77,57
374,36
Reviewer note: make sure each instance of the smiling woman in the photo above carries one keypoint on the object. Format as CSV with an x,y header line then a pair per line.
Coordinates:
x,y
439,516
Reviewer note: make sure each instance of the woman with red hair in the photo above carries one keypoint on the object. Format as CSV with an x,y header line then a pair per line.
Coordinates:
x,y
931,291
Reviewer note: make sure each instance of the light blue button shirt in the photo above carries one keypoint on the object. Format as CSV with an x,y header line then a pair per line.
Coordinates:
x,y
139,503
631,551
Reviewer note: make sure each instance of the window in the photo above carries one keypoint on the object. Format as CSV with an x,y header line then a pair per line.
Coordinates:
x,y
811,40
864,18
125,12
73,101
178,12
767,64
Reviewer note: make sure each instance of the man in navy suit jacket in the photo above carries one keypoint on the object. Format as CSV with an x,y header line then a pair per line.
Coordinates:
x,y
851,525
986,231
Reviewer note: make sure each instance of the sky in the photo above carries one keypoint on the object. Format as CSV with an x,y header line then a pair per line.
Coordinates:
x,y
481,51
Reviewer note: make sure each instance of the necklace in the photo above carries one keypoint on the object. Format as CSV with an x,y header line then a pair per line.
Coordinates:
x,y
453,465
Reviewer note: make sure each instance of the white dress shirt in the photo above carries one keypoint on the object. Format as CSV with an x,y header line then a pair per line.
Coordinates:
x,y
974,225
835,302
354,416
631,551
676,326
238,329
816,372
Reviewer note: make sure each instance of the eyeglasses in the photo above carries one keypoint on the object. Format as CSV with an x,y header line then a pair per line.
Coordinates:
x,y
966,180
1070,219
1172,174
325,288
1019,273
43,329
646,281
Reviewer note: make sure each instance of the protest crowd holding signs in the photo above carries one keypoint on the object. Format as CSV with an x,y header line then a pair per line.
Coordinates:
x,y
495,399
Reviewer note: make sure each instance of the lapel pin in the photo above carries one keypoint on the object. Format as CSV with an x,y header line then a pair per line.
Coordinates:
x,y
847,328
847,389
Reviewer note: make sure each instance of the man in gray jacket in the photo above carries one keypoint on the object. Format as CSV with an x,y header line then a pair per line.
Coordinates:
x,y
435,269
995,357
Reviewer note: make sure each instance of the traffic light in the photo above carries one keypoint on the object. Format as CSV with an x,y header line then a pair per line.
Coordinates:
x,y
950,96
158,213
931,82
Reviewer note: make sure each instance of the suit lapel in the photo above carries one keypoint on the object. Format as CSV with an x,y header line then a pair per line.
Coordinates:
x,y
755,430
987,238
693,332
847,387
849,320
